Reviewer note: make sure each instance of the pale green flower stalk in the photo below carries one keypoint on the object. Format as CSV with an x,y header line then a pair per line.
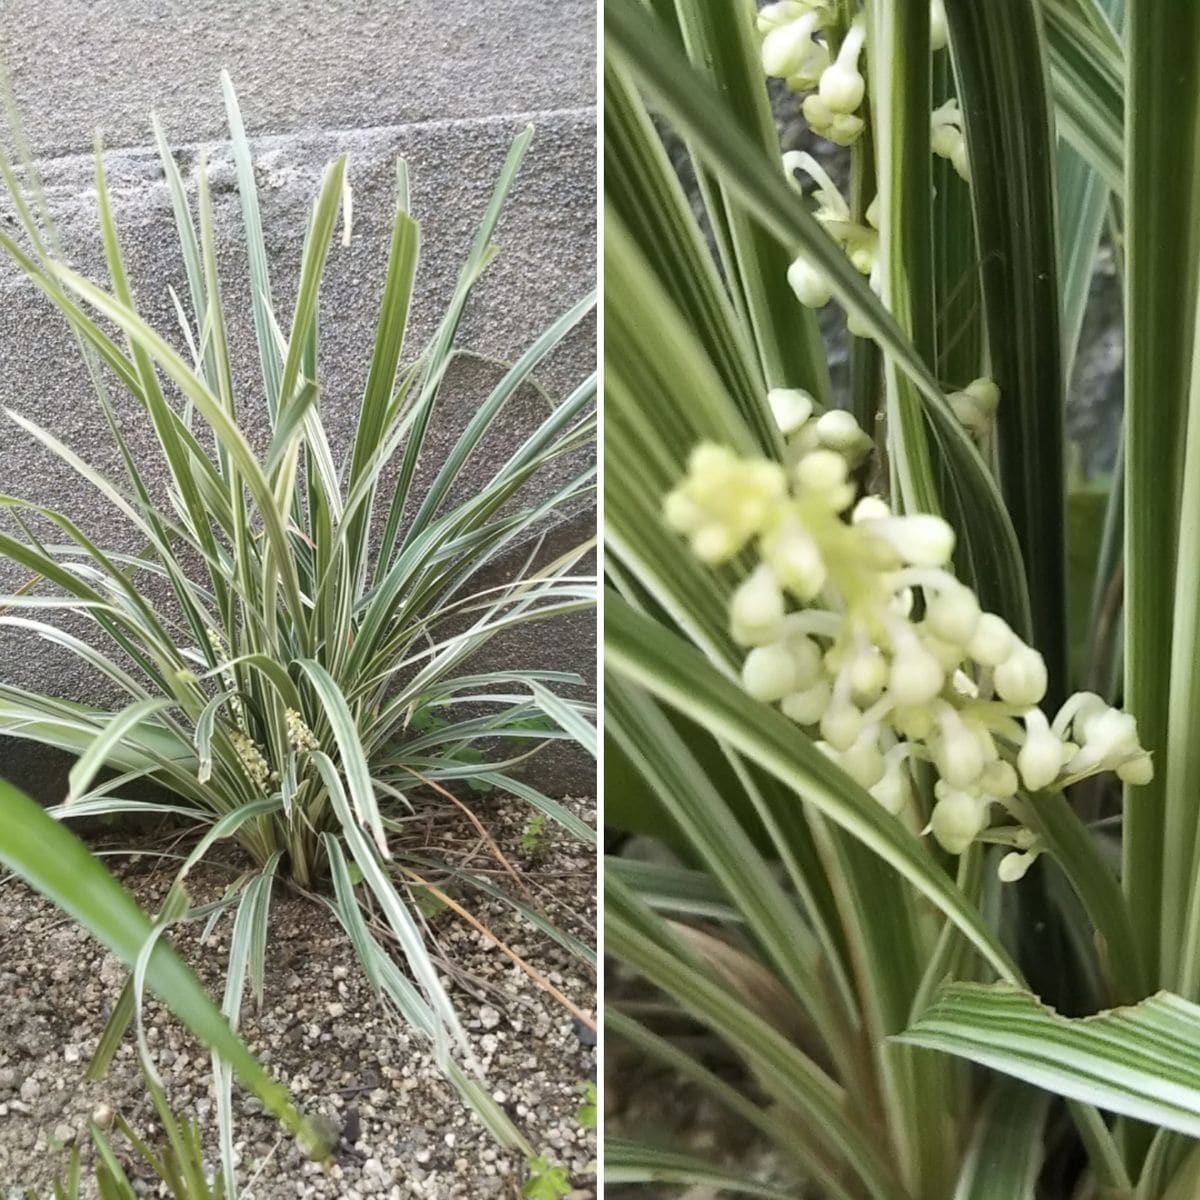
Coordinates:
x,y
856,628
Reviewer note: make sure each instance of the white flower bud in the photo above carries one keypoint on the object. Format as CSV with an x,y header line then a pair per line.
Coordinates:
x,y
790,50
769,672
975,406
806,707
806,654
953,615
709,459
958,755
842,128
1021,678
1077,714
945,140
1137,771
1041,757
948,654
790,407
838,430
822,470
914,722
1014,865
841,724
999,779
1110,738
756,608
1114,735
714,543
870,508
857,326
893,789
863,762
992,641
938,29
960,162
842,87
809,283
957,820
682,513
985,393
916,676
868,674
771,16
946,136
796,559
863,252
759,487
967,410
921,539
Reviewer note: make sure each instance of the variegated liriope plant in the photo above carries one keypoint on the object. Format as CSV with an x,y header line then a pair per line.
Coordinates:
x,y
297,640
909,832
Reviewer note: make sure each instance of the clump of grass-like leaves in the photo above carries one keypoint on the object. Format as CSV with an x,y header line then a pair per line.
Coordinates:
x,y
298,639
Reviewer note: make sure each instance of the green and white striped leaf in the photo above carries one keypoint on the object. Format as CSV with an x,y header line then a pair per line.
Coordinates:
x,y
1141,1061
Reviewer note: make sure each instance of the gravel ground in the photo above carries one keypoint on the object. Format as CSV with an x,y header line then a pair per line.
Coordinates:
x,y
404,1131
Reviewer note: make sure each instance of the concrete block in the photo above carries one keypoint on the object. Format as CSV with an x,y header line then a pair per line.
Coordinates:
x,y
298,65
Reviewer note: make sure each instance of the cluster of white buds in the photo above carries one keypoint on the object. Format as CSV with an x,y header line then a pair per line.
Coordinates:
x,y
860,242
855,627
790,49
975,406
221,651
806,427
946,137
253,761
298,733
797,46
831,109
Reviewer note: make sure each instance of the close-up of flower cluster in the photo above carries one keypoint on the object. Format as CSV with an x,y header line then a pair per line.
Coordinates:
x,y
855,626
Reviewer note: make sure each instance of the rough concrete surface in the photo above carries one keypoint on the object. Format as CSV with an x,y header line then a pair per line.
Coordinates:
x,y
445,85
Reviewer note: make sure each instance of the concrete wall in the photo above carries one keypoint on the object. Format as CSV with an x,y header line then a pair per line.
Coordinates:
x,y
445,84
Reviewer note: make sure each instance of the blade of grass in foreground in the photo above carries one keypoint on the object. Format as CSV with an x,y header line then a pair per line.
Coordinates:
x,y
1162,253
1004,93
56,863
1006,1151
